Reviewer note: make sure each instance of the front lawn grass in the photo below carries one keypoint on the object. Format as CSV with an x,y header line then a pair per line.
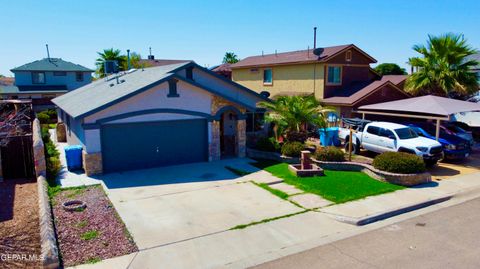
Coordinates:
x,y
336,186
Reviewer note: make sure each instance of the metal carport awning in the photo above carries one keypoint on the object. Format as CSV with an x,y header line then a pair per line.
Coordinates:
x,y
423,107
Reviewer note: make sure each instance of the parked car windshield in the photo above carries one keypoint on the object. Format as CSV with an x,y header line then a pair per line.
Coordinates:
x,y
406,133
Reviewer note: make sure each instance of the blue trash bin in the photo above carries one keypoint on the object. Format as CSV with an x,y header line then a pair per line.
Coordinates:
x,y
73,154
329,136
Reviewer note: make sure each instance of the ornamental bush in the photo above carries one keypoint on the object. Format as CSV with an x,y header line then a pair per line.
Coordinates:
x,y
330,154
292,149
399,162
268,144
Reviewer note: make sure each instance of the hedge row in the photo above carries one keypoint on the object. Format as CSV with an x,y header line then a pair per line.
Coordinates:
x,y
52,157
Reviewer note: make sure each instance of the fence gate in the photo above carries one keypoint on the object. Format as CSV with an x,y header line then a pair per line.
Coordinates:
x,y
17,158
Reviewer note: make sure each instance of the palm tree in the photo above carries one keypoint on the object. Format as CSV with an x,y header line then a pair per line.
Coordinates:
x,y
110,55
230,58
443,68
293,114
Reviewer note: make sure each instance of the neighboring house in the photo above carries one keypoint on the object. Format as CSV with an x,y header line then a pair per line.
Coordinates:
x,y
158,116
44,80
151,61
340,76
223,70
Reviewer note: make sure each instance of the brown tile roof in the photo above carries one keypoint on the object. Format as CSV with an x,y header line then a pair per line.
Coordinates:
x,y
395,79
295,57
160,62
7,81
222,68
358,95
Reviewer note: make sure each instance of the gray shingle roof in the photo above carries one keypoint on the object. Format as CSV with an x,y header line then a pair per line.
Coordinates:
x,y
52,64
32,89
100,94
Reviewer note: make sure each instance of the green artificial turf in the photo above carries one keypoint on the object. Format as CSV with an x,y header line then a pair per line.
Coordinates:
x,y
336,186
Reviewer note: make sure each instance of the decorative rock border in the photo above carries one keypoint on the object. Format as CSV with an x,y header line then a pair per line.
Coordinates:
x,y
274,156
47,233
407,180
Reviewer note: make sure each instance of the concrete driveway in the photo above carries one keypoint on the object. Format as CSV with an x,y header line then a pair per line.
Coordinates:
x,y
166,205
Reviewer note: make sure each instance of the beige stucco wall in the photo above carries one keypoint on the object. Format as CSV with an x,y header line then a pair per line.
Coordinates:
x,y
304,78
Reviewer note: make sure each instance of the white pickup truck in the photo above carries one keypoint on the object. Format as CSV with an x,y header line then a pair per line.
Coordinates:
x,y
386,136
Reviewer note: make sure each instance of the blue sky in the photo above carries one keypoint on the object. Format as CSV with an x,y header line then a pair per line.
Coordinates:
x,y
204,30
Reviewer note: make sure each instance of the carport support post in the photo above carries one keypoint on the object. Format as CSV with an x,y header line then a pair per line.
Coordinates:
x,y
437,130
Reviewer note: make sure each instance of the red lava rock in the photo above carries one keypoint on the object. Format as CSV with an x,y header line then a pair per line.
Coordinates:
x,y
100,216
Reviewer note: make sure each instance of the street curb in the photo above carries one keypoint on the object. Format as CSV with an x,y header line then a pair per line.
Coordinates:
x,y
48,240
385,215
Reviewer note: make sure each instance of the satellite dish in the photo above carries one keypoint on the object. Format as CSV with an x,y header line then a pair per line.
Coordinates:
x,y
318,51
111,67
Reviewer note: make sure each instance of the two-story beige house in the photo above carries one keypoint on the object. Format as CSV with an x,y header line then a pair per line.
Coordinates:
x,y
340,76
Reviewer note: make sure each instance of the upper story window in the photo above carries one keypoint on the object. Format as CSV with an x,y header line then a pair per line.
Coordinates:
x,y
348,56
334,75
267,77
38,77
59,73
79,76
172,88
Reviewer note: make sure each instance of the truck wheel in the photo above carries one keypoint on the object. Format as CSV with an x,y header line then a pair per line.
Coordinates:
x,y
354,148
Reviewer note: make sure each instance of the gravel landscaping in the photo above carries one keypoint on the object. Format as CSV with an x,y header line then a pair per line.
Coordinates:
x,y
90,234
19,224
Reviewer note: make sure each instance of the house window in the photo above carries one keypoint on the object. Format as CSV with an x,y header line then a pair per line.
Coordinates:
x,y
334,75
254,121
267,77
38,77
60,73
348,56
172,88
79,76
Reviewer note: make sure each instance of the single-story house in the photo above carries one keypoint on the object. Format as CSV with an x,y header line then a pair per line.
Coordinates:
x,y
158,116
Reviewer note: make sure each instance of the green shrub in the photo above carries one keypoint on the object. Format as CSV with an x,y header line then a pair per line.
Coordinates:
x,y
52,157
399,162
330,154
44,118
292,149
268,144
297,136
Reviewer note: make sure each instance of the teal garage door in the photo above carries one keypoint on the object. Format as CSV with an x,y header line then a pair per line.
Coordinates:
x,y
131,146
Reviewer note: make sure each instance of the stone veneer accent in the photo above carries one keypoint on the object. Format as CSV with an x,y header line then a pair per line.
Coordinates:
x,y
92,163
241,137
38,150
214,146
48,241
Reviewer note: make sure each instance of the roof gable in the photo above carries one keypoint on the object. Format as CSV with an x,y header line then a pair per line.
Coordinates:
x,y
52,64
298,57
102,93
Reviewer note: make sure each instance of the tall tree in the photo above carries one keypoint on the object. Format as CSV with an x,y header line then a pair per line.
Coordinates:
x,y
110,55
389,69
443,69
230,58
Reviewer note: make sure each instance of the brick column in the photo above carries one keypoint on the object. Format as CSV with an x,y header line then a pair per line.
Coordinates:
x,y
241,138
214,143
92,163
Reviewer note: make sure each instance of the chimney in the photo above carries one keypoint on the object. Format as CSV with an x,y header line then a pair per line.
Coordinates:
x,y
128,59
150,56
314,38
